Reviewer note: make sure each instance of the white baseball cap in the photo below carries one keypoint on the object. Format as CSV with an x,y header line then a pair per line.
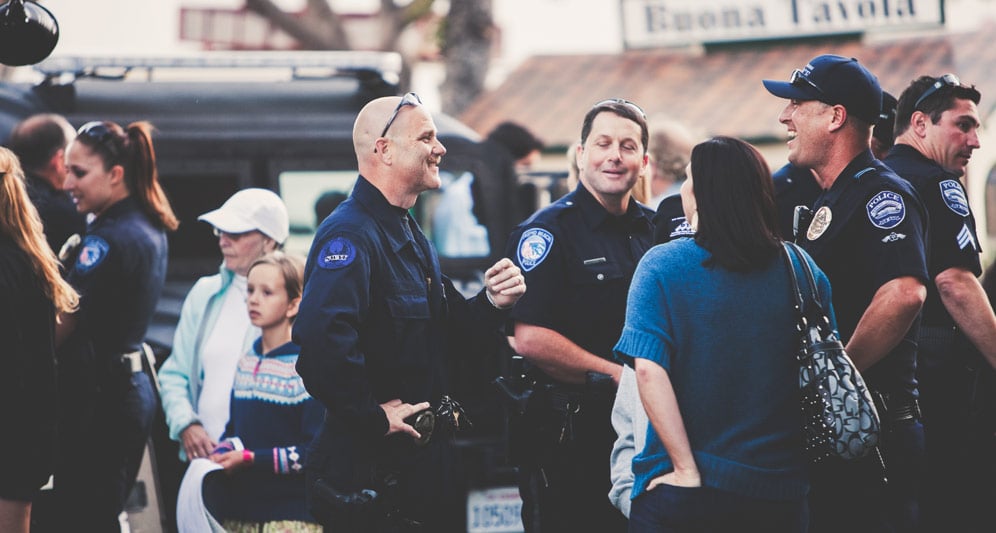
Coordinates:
x,y
252,209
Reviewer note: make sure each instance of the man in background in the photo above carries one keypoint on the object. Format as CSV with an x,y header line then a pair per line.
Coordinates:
x,y
40,143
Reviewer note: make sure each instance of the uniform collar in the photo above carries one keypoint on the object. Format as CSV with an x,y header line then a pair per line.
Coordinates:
x,y
36,181
121,207
908,152
391,218
594,213
851,174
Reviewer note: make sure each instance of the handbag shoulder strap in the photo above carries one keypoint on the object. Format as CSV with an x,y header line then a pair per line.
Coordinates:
x,y
814,295
796,290
812,307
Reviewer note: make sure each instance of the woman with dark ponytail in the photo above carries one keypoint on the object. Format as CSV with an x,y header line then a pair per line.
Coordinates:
x,y
107,398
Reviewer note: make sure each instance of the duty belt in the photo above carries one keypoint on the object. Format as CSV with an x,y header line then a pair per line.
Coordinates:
x,y
894,410
937,337
133,359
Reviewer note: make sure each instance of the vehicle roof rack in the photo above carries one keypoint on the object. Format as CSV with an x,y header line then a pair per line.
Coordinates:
x,y
384,66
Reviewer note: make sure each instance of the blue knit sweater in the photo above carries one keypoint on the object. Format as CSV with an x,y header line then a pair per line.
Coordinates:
x,y
728,342
275,417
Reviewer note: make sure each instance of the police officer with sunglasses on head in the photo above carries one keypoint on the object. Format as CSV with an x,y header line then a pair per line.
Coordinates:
x,y
578,255
379,326
937,125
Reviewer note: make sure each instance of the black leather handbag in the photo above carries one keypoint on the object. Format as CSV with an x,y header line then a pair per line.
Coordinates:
x,y
839,416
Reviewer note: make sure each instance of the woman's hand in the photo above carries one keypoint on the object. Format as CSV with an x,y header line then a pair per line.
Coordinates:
x,y
196,442
675,478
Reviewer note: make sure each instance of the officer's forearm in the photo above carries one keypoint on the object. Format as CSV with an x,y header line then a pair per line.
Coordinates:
x,y
886,320
965,299
558,357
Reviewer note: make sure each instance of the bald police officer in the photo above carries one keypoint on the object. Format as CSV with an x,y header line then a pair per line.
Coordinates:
x,y
867,234
377,327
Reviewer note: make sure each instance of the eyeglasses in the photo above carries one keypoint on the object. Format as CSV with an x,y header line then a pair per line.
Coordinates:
x,y
800,76
233,236
624,102
408,99
947,80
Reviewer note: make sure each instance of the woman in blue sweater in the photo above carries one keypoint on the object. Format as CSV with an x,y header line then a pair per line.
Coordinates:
x,y
711,325
273,418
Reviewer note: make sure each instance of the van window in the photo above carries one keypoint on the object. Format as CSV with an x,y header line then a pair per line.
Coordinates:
x,y
449,219
310,195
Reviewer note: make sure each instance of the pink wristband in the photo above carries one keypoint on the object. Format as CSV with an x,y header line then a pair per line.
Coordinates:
x,y
247,456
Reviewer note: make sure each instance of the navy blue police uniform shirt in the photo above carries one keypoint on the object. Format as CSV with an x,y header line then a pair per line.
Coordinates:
x,y
794,186
954,242
868,229
378,321
57,211
578,261
669,220
119,271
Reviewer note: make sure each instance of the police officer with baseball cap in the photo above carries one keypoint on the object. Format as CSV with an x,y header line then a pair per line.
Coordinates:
x,y
796,186
938,131
868,234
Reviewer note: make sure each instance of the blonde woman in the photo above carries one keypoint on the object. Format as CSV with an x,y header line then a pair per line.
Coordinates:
x,y
32,292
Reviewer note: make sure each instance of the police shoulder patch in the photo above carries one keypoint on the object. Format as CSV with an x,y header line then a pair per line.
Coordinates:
x,y
886,209
93,251
954,197
337,253
534,246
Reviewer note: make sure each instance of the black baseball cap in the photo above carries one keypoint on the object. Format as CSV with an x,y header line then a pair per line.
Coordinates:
x,y
886,120
834,80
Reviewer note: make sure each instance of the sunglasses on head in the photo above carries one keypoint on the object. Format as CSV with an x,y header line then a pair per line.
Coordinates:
x,y
621,101
408,99
95,130
800,77
947,80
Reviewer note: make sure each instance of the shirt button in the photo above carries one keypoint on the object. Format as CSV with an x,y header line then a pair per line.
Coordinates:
x,y
600,277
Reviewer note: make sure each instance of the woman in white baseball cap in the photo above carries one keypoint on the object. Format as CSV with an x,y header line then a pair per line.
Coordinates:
x,y
214,328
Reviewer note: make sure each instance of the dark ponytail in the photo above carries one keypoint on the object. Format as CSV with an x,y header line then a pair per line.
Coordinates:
x,y
143,178
134,152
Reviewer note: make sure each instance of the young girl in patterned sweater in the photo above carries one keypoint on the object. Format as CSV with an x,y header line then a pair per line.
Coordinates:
x,y
273,418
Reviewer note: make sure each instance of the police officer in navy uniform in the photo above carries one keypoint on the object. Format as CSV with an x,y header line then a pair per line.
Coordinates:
x,y
938,131
868,235
578,256
669,220
378,328
795,186
108,400
40,142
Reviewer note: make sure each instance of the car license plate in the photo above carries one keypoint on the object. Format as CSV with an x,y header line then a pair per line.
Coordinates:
x,y
494,510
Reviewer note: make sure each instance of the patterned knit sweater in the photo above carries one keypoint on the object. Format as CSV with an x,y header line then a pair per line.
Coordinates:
x,y
275,417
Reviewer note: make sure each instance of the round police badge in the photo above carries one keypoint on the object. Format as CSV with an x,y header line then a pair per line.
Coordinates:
x,y
92,253
954,197
820,223
337,253
534,246
886,210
